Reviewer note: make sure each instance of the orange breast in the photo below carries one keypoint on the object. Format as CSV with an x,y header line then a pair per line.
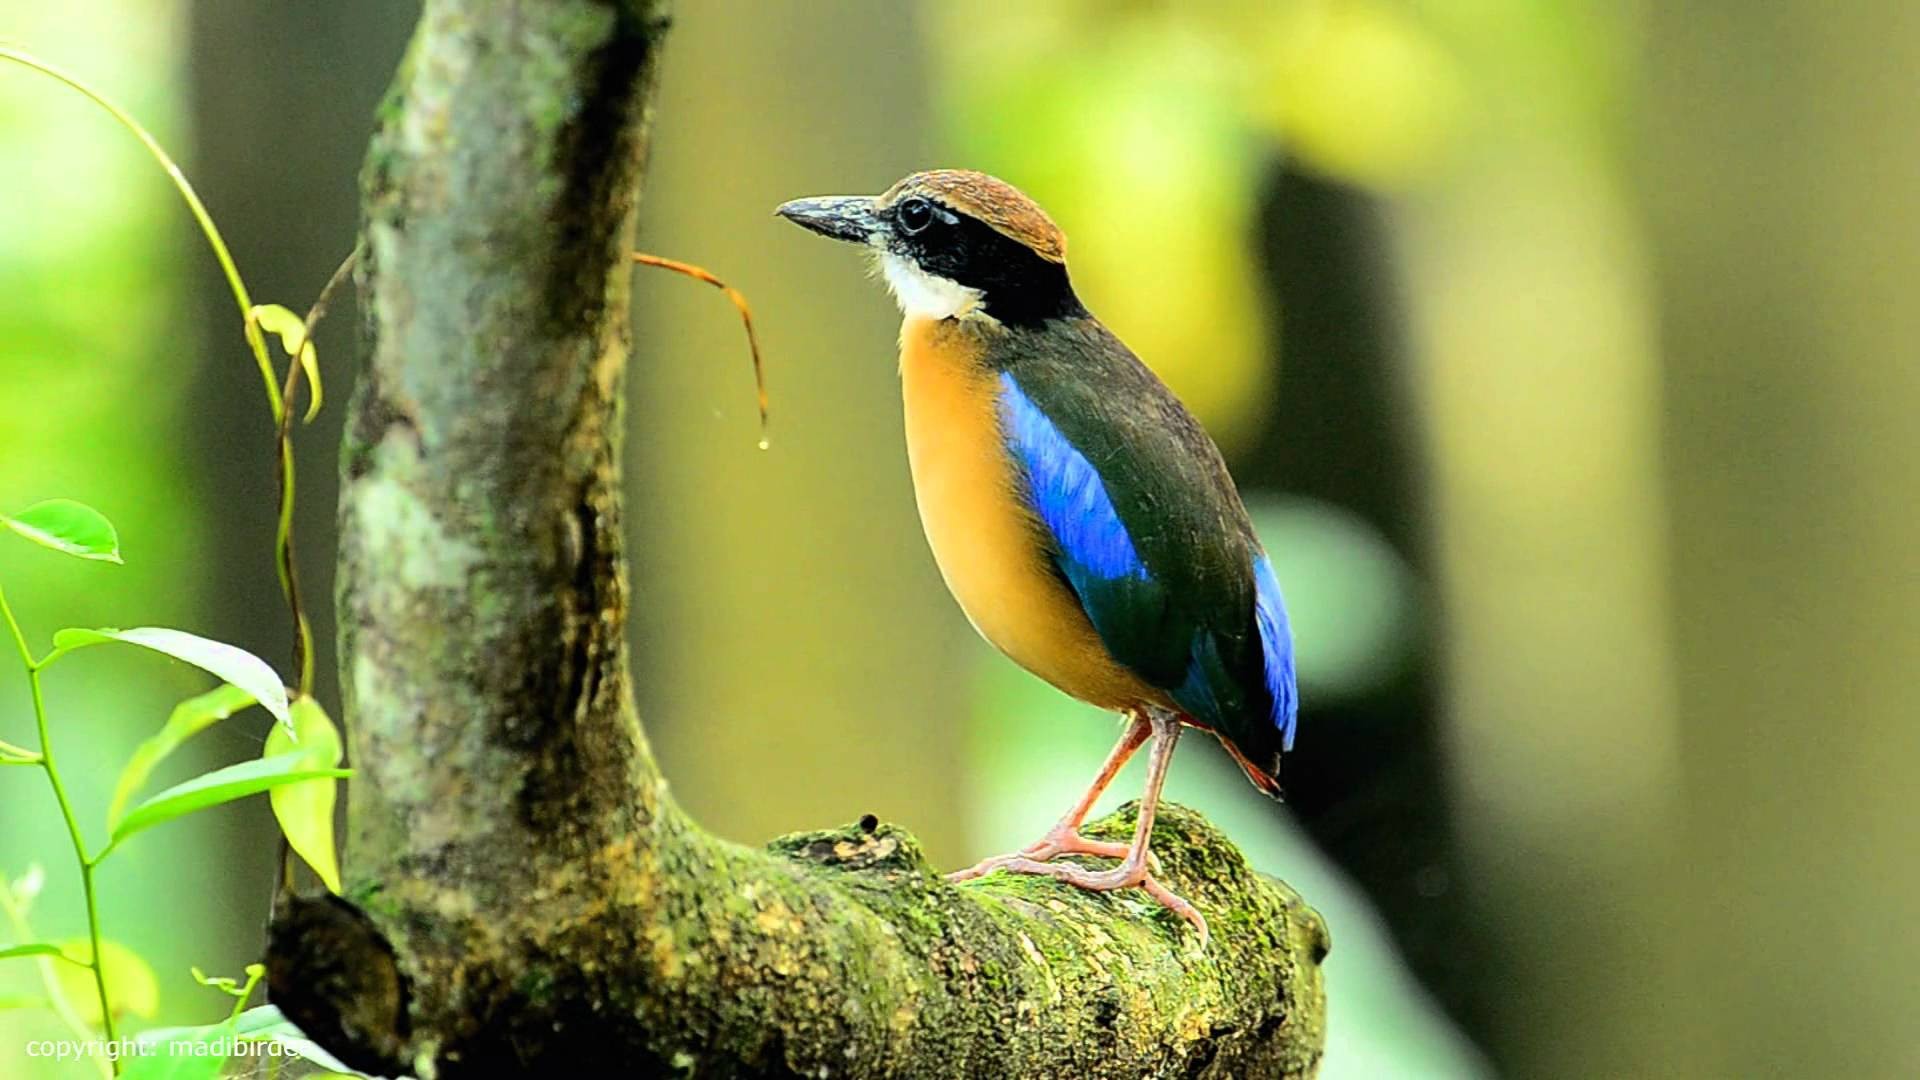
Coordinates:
x,y
982,537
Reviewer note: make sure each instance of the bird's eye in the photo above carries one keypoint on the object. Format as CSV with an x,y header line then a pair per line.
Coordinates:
x,y
915,215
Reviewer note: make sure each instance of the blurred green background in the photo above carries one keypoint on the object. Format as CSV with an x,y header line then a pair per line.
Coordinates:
x,y
1564,349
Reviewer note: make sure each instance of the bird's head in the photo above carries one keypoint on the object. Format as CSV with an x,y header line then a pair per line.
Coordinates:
x,y
953,243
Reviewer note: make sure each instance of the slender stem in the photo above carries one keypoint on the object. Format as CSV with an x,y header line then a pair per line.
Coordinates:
x,y
48,763
283,453
97,960
277,403
255,340
56,996
254,975
19,639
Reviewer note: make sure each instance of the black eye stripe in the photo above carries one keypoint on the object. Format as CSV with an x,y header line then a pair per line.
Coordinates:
x,y
1019,285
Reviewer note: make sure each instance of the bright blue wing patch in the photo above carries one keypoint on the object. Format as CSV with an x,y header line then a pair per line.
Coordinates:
x,y
1067,493
1098,557
1276,640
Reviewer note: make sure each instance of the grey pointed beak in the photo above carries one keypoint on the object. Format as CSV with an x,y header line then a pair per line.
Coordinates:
x,y
842,217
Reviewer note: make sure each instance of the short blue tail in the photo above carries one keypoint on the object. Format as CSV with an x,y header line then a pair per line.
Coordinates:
x,y
1276,640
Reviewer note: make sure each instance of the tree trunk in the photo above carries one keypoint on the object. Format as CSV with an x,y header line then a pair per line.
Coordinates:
x,y
522,890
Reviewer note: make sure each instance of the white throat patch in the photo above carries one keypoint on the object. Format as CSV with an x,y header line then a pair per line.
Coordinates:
x,y
920,293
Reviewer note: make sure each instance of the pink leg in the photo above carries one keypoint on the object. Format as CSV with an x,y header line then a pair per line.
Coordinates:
x,y
1139,730
1133,869
1064,838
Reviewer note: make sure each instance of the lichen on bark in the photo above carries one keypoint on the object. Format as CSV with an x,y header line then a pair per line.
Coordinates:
x,y
522,892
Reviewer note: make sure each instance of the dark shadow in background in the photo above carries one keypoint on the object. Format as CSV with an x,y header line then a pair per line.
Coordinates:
x,y
275,153
1366,779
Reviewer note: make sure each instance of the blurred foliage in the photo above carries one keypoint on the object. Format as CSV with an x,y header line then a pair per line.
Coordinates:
x,y
1150,126
133,989
302,780
1349,595
1361,90
1130,131
93,351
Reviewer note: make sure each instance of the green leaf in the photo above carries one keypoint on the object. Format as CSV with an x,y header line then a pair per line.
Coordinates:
x,y
225,662
305,809
23,1001
39,948
212,789
291,329
188,719
183,1053
131,985
266,1024
65,525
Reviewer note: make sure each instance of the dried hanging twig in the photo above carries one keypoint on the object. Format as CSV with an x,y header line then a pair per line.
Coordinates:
x,y
739,303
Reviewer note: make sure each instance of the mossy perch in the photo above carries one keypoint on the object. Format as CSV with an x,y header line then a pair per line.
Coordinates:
x,y
523,894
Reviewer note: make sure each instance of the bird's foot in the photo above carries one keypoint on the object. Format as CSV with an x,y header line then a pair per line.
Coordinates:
x,y
1126,875
1058,841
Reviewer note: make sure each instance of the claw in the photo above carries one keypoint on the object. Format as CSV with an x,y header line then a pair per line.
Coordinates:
x,y
1056,843
1137,863
1119,877
1179,906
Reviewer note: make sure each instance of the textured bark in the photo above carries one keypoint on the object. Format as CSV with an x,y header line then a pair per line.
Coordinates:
x,y
522,892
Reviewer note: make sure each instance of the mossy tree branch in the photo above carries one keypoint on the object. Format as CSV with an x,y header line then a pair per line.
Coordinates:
x,y
522,891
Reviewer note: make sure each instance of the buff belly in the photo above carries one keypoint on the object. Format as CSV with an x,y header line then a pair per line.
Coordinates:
x,y
985,541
